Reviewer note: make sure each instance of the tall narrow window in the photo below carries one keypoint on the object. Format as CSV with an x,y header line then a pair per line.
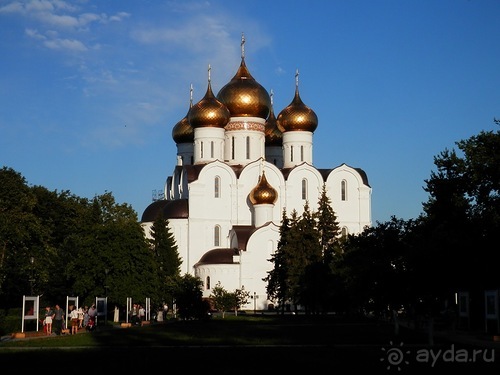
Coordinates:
x,y
343,190
248,147
304,189
207,283
301,153
212,149
216,235
232,148
291,153
217,187
201,150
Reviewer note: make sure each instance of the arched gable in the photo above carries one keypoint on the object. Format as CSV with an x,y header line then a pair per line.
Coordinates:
x,y
304,183
249,178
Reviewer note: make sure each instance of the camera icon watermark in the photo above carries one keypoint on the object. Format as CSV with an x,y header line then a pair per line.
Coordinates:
x,y
397,357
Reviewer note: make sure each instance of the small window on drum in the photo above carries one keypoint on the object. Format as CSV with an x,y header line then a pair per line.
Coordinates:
x,y
207,283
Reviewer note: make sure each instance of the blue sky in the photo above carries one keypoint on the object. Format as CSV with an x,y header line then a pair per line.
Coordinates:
x,y
90,90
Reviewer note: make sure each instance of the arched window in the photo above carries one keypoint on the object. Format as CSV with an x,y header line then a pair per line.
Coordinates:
x,y
201,149
291,153
304,189
343,190
248,147
212,149
301,153
217,187
232,147
217,235
207,283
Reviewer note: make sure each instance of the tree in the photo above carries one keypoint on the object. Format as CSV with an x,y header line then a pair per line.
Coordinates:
x,y
327,226
222,299
22,239
188,297
276,279
463,218
164,248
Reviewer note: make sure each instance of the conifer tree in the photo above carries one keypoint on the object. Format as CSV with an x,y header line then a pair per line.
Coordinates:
x,y
277,286
327,226
165,249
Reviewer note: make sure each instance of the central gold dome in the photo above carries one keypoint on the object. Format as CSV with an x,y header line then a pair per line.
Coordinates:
x,y
244,96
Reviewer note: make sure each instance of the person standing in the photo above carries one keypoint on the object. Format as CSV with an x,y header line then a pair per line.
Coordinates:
x,y
57,320
92,317
48,320
80,317
74,319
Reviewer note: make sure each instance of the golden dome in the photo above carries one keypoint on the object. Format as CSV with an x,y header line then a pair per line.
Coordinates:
x,y
244,96
297,116
208,112
183,132
263,193
274,136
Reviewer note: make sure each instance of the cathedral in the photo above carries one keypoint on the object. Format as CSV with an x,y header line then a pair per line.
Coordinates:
x,y
238,167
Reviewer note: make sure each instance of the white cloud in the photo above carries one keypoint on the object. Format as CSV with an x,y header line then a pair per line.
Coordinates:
x,y
65,44
15,7
34,34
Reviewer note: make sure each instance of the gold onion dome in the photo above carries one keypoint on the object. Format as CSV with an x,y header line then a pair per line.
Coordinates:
x,y
297,116
183,132
209,111
274,136
263,193
243,95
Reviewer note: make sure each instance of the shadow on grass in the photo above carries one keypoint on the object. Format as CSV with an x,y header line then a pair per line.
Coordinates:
x,y
234,345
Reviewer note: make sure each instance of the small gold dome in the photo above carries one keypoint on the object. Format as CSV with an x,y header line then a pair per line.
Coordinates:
x,y
183,132
208,112
274,136
244,96
263,193
297,116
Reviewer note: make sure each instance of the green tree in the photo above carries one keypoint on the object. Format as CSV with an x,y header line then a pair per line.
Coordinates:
x,y
188,297
22,239
327,227
462,218
113,258
276,279
222,299
165,249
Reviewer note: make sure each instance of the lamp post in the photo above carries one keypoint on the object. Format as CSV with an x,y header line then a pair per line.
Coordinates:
x,y
106,283
32,279
255,296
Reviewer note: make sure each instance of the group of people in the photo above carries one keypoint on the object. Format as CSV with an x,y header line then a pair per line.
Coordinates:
x,y
137,314
81,317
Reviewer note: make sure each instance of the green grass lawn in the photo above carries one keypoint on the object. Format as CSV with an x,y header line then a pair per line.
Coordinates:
x,y
239,345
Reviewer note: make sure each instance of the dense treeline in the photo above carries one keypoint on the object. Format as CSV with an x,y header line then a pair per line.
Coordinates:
x,y
416,265
55,244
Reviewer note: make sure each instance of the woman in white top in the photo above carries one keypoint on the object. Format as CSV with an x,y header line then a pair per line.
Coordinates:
x,y
48,320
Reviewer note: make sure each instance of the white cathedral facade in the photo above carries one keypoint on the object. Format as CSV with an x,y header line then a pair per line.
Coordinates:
x,y
238,167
